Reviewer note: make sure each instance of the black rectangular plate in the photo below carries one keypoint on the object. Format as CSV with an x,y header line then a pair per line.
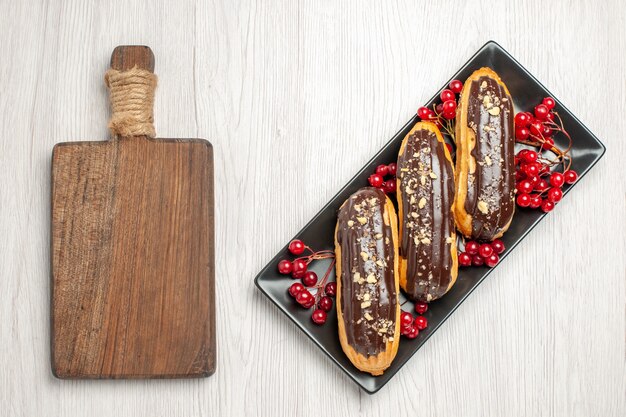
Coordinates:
x,y
318,233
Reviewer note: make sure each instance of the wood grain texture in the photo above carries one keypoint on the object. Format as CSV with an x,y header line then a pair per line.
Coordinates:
x,y
132,254
274,85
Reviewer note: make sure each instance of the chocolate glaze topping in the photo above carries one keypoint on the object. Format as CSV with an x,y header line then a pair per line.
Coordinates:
x,y
368,292
490,196
426,182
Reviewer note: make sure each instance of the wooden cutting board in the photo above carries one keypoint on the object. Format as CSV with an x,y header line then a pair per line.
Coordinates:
x,y
133,253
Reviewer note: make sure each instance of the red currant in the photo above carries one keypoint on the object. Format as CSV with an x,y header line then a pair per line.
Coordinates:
x,y
570,176
530,156
421,307
542,185
299,268
523,200
492,260
305,299
456,86
531,169
519,175
547,144
536,128
498,246
326,303
439,108
541,111
522,119
319,317
389,186
424,113
477,260
392,168
382,170
522,133
447,95
550,117
309,279
549,103
557,179
546,132
412,332
524,186
555,194
485,250
285,267
421,323
465,259
296,247
406,319
331,289
449,115
449,106
533,180
295,289
535,201
376,180
471,247
547,206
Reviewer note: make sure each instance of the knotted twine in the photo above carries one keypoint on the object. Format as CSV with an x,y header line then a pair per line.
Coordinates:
x,y
132,99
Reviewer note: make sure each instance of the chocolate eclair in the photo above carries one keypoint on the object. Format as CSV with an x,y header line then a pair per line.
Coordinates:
x,y
368,311
485,168
425,191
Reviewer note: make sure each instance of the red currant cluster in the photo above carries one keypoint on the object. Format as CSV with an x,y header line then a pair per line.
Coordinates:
x,y
410,326
377,179
444,113
536,185
538,128
481,254
301,291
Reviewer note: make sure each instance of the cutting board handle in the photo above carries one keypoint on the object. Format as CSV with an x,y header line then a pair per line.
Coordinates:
x,y
131,83
125,57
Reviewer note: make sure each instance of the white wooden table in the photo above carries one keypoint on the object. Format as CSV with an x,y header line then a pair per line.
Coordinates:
x,y
274,85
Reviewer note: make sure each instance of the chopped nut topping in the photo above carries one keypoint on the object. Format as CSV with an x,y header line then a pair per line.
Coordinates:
x,y
362,220
365,256
412,200
423,179
380,263
483,207
433,175
378,236
366,297
449,239
494,111
350,223
483,85
368,317
488,160
426,241
365,304
357,276
421,203
371,279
